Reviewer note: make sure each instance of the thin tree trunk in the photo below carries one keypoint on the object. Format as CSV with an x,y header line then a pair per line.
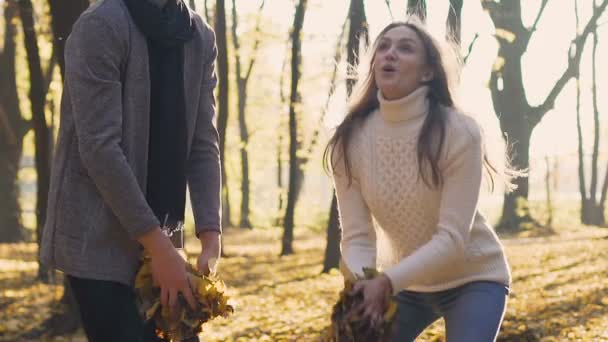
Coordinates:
x,y
332,249
41,129
244,221
548,192
602,203
222,118
242,81
596,122
294,101
193,5
281,191
593,211
243,131
454,22
356,33
208,17
10,214
12,131
417,8
280,129
582,184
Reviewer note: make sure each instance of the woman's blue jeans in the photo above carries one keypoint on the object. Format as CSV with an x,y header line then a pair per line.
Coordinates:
x,y
472,312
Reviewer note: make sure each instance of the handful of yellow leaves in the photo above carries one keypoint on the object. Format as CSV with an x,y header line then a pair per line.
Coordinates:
x,y
348,326
183,323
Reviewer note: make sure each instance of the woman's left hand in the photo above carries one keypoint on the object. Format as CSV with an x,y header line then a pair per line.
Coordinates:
x,y
376,294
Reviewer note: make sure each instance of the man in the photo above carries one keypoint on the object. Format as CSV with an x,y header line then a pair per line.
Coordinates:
x,y
137,125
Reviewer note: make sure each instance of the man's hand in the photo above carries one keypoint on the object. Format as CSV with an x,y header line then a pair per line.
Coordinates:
x,y
210,252
168,269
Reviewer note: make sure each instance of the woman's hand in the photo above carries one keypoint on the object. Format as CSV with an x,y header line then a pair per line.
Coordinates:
x,y
376,295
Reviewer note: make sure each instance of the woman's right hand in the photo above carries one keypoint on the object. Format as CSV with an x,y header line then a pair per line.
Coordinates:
x,y
376,294
168,269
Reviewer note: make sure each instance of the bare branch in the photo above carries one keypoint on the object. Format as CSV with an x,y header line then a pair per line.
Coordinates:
x,y
235,38
543,5
470,49
256,44
578,43
390,11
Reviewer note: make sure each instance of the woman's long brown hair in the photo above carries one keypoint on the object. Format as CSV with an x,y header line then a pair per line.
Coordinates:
x,y
432,135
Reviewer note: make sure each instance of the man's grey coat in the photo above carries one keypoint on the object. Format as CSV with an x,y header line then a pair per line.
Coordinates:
x,y
97,204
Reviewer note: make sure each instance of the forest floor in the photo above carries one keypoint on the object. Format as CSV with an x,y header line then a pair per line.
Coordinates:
x,y
559,290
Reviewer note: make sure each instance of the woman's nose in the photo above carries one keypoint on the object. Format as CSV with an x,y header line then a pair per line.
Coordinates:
x,y
390,55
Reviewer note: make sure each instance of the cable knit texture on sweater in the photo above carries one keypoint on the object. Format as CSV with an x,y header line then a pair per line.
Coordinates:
x,y
424,238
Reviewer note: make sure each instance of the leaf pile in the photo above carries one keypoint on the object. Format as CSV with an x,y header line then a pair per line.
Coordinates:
x,y
348,326
183,323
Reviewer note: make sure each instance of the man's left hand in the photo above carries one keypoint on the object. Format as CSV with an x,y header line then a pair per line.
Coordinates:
x,y
210,255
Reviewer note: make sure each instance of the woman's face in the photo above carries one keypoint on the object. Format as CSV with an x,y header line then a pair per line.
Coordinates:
x,y
400,63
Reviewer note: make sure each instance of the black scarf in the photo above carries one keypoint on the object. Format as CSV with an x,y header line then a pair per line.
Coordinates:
x,y
166,30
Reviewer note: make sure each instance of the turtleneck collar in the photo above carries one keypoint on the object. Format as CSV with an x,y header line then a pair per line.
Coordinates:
x,y
414,105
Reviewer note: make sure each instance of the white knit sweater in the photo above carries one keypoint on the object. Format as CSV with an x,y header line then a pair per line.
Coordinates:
x,y
424,239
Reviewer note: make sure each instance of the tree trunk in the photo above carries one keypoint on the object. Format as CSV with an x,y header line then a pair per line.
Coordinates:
x,y
281,194
10,218
515,210
222,117
193,5
454,22
332,249
208,17
244,221
41,130
294,101
280,129
592,213
417,8
582,183
242,81
243,131
548,192
12,130
357,31
517,117
596,121
63,16
592,210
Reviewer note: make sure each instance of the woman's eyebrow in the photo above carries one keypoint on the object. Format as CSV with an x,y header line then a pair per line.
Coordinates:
x,y
400,40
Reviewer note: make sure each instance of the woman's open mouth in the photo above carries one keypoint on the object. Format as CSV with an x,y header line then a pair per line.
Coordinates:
x,y
389,68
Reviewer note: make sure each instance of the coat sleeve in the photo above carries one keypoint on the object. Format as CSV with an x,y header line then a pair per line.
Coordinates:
x,y
94,56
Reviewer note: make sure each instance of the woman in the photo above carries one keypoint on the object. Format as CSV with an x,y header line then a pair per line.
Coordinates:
x,y
407,168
